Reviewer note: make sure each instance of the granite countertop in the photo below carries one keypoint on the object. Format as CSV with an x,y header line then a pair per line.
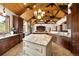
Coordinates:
x,y
42,39
66,34
7,35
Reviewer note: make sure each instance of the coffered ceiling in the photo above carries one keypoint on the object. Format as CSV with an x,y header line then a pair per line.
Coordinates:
x,y
53,11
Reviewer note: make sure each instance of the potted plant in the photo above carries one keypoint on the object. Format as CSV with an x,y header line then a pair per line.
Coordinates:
x,y
12,30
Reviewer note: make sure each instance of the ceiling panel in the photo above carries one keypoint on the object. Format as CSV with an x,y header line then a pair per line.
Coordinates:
x,y
60,14
27,15
51,9
46,8
17,8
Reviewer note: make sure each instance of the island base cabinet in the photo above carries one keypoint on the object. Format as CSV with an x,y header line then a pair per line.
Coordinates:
x,y
32,49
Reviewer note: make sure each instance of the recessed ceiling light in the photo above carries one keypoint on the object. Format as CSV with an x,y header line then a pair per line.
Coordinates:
x,y
28,8
24,3
34,6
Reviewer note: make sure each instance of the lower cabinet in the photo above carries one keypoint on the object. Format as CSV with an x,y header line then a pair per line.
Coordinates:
x,y
32,49
8,43
64,42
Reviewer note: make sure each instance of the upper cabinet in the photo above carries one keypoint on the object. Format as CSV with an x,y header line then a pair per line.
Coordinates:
x,y
18,24
75,8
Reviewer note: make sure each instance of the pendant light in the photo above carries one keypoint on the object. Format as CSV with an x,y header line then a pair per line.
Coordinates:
x,y
39,14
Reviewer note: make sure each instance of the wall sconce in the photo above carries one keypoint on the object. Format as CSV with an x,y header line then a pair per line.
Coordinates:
x,y
4,11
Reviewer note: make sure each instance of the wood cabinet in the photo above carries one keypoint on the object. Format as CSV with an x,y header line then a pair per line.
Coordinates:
x,y
69,21
8,42
73,23
64,41
18,24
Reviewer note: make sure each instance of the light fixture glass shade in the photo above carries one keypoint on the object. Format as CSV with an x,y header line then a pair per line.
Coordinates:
x,y
41,20
39,17
43,12
39,11
35,13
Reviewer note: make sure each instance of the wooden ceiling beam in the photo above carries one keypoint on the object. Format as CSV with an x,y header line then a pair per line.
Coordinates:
x,y
54,10
56,13
46,8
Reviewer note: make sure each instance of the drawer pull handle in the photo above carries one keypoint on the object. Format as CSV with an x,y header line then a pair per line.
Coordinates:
x,y
27,45
41,50
37,49
27,54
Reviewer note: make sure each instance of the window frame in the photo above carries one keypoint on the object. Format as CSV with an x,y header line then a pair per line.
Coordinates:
x,y
7,18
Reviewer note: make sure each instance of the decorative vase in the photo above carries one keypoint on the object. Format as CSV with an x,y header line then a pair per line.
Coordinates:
x,y
11,32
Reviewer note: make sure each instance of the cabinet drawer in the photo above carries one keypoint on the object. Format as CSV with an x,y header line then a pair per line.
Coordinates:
x,y
31,52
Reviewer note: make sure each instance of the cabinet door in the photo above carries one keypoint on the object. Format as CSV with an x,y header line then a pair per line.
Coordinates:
x,y
7,43
75,33
13,41
18,24
3,46
15,23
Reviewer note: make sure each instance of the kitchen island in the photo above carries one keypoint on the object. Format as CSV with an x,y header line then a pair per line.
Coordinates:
x,y
61,38
37,45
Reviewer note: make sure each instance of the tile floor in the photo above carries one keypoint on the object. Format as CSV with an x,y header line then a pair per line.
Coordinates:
x,y
56,51
15,51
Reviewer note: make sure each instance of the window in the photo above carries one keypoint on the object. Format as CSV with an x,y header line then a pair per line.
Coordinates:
x,y
4,24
